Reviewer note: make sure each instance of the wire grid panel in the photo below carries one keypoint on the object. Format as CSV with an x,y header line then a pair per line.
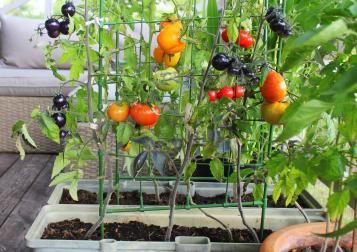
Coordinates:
x,y
138,30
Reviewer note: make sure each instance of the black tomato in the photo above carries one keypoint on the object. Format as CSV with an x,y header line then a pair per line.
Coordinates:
x,y
68,9
60,119
52,25
60,101
221,61
64,27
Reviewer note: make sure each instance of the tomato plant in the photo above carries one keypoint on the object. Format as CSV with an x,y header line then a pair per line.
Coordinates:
x,y
314,53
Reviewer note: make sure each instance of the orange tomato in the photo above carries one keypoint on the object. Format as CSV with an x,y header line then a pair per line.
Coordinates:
x,y
274,88
169,39
169,20
118,112
158,55
272,112
171,60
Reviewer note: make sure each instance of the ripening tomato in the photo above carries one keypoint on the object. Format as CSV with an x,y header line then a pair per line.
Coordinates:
x,y
169,38
212,94
158,55
225,92
274,88
245,39
225,36
144,115
272,112
169,20
171,60
238,92
118,112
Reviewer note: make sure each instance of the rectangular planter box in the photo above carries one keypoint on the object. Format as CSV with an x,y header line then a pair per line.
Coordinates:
x,y
207,189
189,218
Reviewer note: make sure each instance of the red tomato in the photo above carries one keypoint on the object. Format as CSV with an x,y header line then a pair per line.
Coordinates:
x,y
226,92
238,91
225,36
245,39
212,94
144,115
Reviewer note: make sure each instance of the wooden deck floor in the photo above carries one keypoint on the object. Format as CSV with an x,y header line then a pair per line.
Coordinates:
x,y
23,191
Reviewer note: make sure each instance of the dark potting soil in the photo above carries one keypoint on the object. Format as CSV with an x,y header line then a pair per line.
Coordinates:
x,y
133,198
136,231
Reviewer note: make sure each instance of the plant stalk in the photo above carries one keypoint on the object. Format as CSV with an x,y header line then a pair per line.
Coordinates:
x,y
190,140
89,64
301,210
239,192
328,223
106,203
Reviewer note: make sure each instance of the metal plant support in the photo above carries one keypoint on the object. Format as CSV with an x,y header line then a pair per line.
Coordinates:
x,y
102,82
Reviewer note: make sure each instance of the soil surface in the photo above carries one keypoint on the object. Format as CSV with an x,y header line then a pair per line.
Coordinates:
x,y
133,198
136,231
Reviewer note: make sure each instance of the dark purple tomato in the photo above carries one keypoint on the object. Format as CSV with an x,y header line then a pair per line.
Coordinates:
x,y
52,25
60,119
53,34
64,27
68,9
59,101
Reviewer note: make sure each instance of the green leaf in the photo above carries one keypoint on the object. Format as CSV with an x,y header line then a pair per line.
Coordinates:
x,y
73,189
208,150
190,169
20,148
49,128
124,131
232,31
300,115
60,163
351,184
298,49
27,136
212,21
129,53
332,165
217,169
36,113
16,128
258,192
276,192
66,177
245,172
337,203
342,231
276,164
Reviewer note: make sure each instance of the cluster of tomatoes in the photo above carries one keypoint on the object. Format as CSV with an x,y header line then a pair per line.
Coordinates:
x,y
60,104
277,22
245,40
169,42
55,27
141,113
234,66
273,91
230,92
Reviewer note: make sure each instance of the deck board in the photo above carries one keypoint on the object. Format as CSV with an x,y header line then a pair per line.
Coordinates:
x,y
6,161
17,180
13,231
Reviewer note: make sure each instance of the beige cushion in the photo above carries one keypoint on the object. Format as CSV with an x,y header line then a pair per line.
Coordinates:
x,y
16,49
31,82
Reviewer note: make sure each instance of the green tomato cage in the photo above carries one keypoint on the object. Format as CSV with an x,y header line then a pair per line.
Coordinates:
x,y
191,18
